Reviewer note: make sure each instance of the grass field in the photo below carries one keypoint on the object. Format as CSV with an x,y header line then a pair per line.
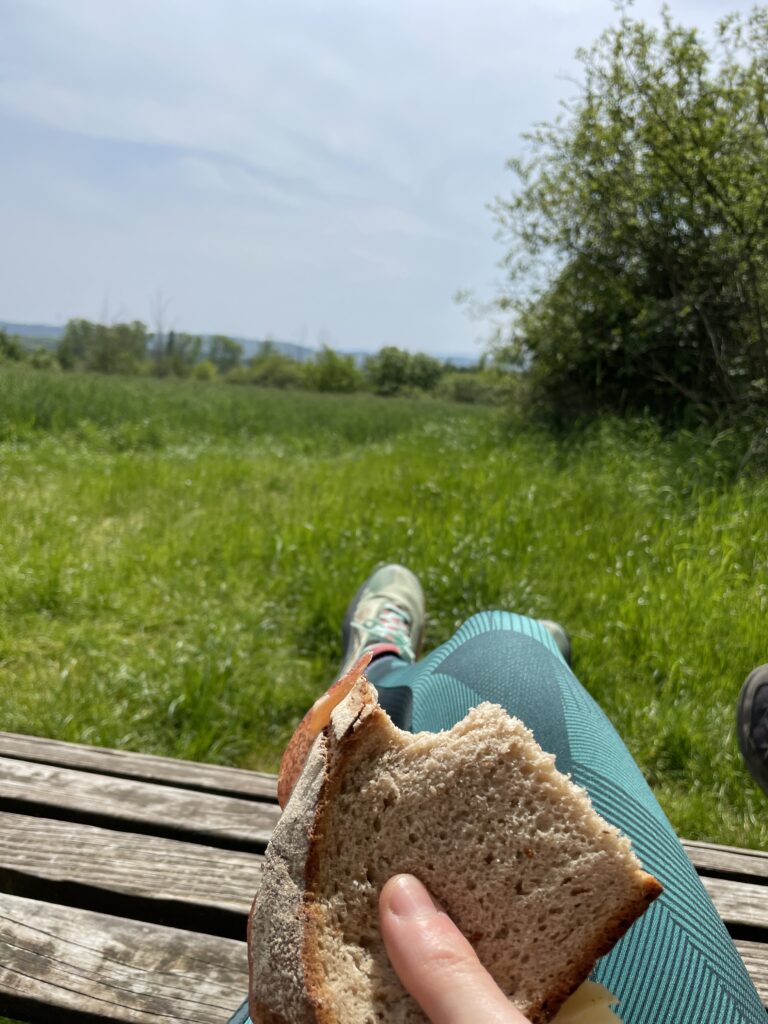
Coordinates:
x,y
176,558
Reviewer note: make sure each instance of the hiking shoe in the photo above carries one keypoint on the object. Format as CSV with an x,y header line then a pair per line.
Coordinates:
x,y
752,725
560,636
386,616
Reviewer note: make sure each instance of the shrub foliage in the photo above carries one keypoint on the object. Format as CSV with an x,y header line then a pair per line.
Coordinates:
x,y
638,235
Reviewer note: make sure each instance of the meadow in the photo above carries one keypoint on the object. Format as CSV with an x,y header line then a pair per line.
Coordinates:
x,y
176,558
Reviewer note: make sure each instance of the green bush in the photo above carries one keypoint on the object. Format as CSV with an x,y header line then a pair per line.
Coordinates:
x,y
392,371
330,371
240,375
424,372
204,370
638,236
43,359
271,369
11,349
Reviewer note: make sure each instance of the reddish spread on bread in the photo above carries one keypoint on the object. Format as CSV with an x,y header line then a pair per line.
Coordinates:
x,y
312,724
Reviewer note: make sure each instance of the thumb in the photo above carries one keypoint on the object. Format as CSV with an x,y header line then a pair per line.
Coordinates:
x,y
434,961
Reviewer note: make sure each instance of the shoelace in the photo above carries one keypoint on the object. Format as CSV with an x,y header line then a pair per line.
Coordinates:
x,y
392,623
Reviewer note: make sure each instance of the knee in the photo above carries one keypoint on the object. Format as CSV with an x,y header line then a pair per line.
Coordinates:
x,y
509,627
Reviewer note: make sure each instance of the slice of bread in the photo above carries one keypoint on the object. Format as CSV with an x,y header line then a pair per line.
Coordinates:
x,y
512,849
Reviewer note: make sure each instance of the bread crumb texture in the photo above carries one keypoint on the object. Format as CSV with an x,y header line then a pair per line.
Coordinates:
x,y
510,848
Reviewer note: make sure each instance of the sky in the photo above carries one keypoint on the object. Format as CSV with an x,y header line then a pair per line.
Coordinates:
x,y
318,171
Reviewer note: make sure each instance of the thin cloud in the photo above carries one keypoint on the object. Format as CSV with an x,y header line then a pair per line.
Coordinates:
x,y
270,165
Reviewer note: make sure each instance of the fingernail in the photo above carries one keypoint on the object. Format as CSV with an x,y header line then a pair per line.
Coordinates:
x,y
409,898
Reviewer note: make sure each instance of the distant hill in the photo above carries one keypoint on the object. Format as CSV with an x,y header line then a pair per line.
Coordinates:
x,y
37,333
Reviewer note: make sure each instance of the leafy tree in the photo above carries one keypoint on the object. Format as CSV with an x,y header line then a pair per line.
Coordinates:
x,y
74,346
271,369
186,351
638,235
179,355
331,371
116,349
388,371
424,371
393,370
120,348
225,353
11,349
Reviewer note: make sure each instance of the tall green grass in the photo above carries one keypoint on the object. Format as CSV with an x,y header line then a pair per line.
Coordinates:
x,y
182,595
129,413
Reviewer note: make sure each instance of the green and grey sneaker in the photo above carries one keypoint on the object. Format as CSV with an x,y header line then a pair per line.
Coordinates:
x,y
386,616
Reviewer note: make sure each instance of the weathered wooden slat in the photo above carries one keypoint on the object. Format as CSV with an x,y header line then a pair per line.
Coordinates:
x,y
57,962
709,858
45,851
129,765
755,957
739,903
43,790
149,867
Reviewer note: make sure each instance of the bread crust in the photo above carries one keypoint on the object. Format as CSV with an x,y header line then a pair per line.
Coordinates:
x,y
261,1015
279,961
347,732
288,981
312,724
604,943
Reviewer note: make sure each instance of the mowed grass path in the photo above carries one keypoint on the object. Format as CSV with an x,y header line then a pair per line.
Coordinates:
x,y
175,560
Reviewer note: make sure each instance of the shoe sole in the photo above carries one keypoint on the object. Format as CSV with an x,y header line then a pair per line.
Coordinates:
x,y
757,767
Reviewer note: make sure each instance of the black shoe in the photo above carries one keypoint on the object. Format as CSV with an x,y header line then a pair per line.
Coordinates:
x,y
752,725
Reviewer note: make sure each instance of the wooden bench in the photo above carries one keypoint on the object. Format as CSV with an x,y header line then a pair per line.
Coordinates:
x,y
126,879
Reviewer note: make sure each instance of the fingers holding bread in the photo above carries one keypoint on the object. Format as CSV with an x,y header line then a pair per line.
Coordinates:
x,y
435,962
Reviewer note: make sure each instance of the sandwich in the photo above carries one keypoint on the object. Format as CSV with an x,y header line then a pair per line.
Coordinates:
x,y
513,851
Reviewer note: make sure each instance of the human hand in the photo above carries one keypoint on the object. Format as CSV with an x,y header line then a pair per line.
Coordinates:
x,y
434,961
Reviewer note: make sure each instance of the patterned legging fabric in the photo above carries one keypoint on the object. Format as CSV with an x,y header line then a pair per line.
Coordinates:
x,y
677,964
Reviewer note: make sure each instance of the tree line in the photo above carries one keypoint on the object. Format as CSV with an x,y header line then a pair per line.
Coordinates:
x,y
130,348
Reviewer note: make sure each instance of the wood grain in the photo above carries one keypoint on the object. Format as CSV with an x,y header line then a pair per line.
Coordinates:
x,y
708,858
50,792
126,764
146,867
55,960
755,957
739,903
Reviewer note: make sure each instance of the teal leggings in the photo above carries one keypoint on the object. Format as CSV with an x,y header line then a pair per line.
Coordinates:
x,y
677,964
